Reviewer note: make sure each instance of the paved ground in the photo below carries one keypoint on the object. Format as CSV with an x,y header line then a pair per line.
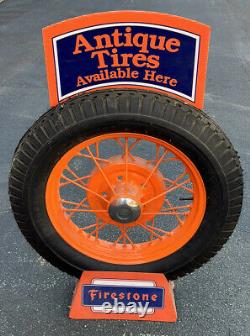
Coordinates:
x,y
34,296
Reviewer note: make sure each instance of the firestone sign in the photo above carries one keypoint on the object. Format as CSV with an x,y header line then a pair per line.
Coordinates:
x,y
97,295
123,295
148,50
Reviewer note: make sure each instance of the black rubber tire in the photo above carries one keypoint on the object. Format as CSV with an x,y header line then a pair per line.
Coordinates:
x,y
81,117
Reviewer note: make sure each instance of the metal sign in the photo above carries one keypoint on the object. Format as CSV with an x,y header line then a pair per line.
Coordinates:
x,y
155,51
97,295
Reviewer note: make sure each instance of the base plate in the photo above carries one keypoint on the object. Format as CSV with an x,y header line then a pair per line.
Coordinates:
x,y
123,296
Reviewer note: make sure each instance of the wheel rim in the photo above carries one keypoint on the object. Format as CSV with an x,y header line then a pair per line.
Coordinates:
x,y
125,198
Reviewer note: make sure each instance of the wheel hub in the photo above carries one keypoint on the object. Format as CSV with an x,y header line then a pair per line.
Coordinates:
x,y
124,210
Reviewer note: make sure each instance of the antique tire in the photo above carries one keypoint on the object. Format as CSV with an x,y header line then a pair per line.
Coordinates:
x,y
164,195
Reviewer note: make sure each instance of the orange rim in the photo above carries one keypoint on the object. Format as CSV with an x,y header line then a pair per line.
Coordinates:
x,y
125,198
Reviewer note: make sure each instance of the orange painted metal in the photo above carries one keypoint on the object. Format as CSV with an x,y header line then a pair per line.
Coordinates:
x,y
138,173
172,21
142,182
165,314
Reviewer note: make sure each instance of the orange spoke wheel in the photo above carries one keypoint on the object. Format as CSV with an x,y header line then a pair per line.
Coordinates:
x,y
125,198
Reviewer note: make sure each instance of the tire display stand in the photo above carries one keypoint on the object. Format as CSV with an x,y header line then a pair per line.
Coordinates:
x,y
125,182
95,287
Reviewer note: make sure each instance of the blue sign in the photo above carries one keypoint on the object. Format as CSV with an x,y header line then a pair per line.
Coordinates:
x,y
130,54
96,295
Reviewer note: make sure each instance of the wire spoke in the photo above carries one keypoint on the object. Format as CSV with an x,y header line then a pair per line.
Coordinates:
x,y
120,237
95,157
157,229
124,237
88,227
155,168
123,148
79,179
175,183
98,228
101,170
166,191
85,210
180,221
78,205
150,229
126,161
164,160
178,177
177,206
85,188
97,150
128,238
81,203
134,144
166,213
